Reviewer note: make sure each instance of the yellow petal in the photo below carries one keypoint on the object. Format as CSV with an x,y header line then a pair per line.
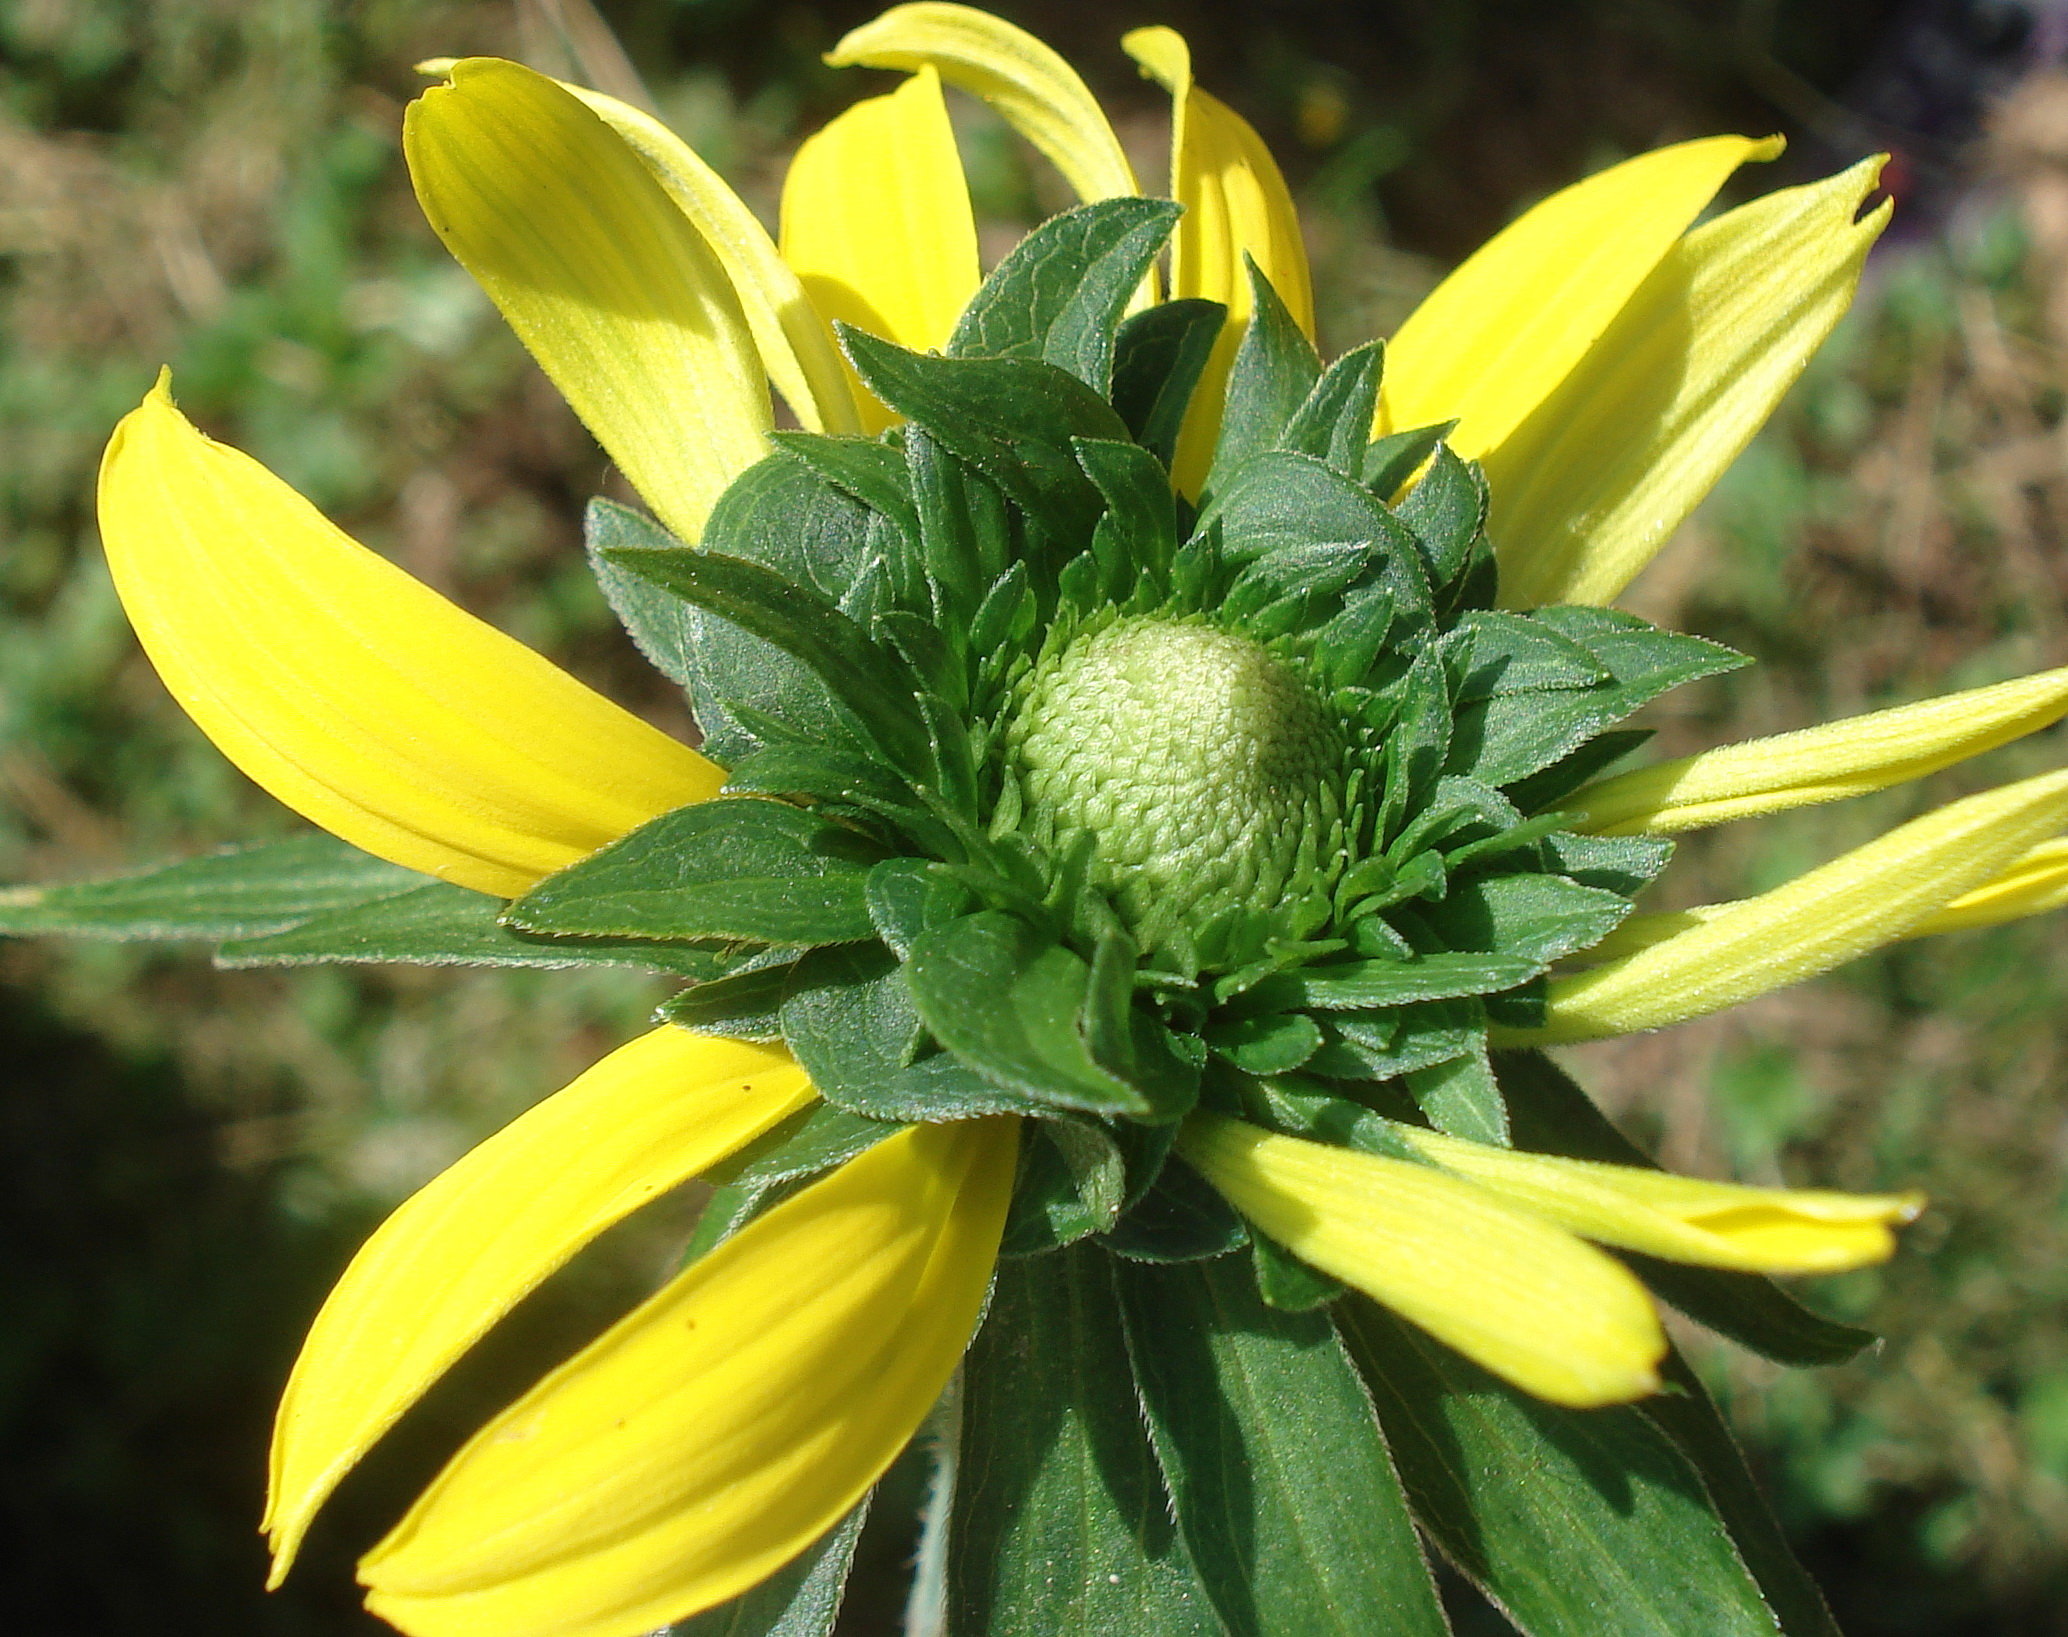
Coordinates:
x,y
1594,483
1492,341
1870,896
725,1424
605,281
1236,203
2035,884
1683,1219
1525,1299
461,1252
795,342
1825,763
359,697
1032,88
877,223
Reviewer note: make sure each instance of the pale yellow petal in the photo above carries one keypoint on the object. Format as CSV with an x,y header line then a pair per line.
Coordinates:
x,y
1495,339
1032,88
605,281
794,340
726,1423
1870,896
877,222
1829,762
1236,205
1595,482
1683,1219
2033,885
461,1252
1525,1299
356,695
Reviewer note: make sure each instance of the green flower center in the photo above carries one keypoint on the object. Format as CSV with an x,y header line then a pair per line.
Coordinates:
x,y
1202,766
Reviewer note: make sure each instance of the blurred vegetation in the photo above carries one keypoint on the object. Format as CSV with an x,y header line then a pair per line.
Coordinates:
x,y
189,1156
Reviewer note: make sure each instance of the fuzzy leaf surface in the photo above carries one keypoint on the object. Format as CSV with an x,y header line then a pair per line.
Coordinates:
x,y
1158,357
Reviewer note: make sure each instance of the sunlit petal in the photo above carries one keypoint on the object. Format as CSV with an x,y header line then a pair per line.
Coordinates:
x,y
1495,339
1236,204
1032,88
603,278
1525,1299
356,695
462,1251
726,1423
1829,762
1870,896
1588,490
877,222
795,342
1683,1219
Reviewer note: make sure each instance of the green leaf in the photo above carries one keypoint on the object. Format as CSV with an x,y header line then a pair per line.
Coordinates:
x,y
848,1017
819,772
238,892
1061,1520
741,1005
1382,1045
776,1164
1688,1416
873,683
1158,357
1575,1523
1009,1001
1334,424
1283,1486
1273,1043
1446,511
1179,1219
1552,1115
1011,418
1390,461
1275,369
1284,1281
1546,789
871,471
801,1599
1512,653
1072,1182
1539,918
964,533
1139,504
1355,985
661,626
1059,296
1462,1097
440,924
1618,864
735,867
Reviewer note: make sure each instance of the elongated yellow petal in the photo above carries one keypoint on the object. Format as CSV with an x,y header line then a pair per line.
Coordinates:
x,y
1032,88
1596,481
2036,883
1527,1300
1683,1219
1236,204
1495,339
462,1251
726,1423
877,222
605,281
1825,763
795,342
1870,896
356,695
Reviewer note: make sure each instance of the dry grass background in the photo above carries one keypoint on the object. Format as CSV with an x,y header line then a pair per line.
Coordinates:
x,y
191,1154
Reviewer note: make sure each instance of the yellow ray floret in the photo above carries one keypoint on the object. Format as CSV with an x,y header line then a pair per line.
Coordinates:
x,y
603,278
1683,1219
462,1251
1495,339
877,222
2036,883
794,340
726,1423
1595,482
1236,205
1525,1299
1871,896
1032,88
356,695
1829,762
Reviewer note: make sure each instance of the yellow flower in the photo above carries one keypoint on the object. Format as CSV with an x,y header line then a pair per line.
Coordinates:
x,y
1604,357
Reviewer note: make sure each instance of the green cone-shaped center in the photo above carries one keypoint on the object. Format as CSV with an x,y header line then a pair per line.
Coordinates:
x,y
1198,762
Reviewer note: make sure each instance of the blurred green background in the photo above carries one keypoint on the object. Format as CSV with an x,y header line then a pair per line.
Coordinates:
x,y
188,1157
